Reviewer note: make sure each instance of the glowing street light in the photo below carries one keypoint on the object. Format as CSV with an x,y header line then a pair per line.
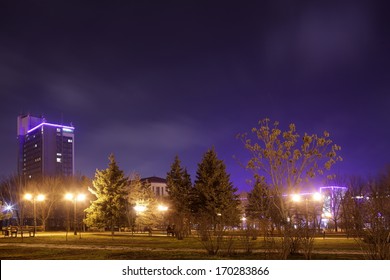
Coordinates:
x,y
296,197
314,198
162,208
139,208
34,199
74,198
327,215
8,207
317,196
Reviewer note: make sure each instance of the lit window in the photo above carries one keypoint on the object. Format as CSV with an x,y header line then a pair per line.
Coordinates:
x,y
70,140
58,129
59,154
67,130
36,145
58,159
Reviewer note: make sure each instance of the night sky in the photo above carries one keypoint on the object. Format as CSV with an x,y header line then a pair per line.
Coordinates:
x,y
148,80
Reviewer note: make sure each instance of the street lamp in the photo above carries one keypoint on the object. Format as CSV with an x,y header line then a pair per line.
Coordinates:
x,y
8,209
162,209
243,222
316,197
296,198
74,198
139,208
34,199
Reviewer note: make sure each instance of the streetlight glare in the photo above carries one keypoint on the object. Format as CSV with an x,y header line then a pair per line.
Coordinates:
x,y
140,208
8,207
81,197
162,208
74,199
327,215
317,196
34,199
296,198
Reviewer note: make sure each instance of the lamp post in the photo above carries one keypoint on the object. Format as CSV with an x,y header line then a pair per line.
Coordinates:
x,y
8,209
74,199
139,208
162,208
297,198
34,199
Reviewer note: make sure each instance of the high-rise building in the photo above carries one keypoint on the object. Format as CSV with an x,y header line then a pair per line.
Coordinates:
x,y
45,149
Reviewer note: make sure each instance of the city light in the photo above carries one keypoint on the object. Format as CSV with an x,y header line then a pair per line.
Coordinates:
x,y
317,196
8,207
34,199
69,128
140,208
296,197
72,197
162,208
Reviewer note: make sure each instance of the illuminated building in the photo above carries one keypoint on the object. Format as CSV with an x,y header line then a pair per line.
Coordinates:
x,y
333,196
316,209
157,185
45,149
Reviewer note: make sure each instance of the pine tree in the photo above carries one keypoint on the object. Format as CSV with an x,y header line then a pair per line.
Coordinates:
x,y
214,199
179,187
259,205
110,189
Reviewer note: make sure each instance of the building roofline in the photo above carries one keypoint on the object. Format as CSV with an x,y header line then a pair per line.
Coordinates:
x,y
154,179
50,124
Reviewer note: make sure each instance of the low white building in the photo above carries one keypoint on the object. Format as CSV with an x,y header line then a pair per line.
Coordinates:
x,y
158,185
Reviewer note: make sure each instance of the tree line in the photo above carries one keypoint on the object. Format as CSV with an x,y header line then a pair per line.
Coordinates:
x,y
280,163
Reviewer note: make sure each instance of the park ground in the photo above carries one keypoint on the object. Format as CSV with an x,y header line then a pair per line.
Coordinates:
x,y
159,246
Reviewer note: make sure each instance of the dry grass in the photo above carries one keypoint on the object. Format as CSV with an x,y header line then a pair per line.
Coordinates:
x,y
98,246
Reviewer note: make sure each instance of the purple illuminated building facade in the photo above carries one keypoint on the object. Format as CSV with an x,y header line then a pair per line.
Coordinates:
x,y
44,149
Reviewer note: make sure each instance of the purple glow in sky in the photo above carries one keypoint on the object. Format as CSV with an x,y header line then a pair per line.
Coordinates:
x,y
150,80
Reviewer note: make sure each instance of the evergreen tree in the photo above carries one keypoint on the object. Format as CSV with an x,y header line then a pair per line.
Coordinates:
x,y
259,206
110,189
214,200
179,188
141,194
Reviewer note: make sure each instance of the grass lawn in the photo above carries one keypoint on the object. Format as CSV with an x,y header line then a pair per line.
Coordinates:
x,y
124,246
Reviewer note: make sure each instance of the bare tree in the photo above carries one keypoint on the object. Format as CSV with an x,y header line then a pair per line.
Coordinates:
x,y
287,160
52,188
368,209
12,189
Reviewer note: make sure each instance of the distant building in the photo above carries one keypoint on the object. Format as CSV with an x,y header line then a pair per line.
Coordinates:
x,y
44,149
158,185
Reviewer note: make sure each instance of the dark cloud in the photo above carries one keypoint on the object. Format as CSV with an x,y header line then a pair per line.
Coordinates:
x,y
148,81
